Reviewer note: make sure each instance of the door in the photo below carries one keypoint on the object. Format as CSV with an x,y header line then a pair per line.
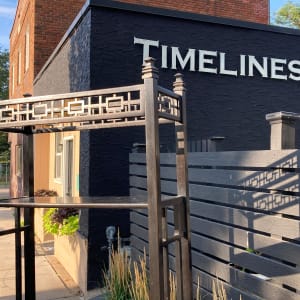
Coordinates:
x,y
68,166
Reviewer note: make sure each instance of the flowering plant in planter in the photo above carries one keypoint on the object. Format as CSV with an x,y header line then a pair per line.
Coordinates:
x,y
60,221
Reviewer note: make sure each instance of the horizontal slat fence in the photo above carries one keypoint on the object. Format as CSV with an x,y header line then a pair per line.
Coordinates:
x,y
245,220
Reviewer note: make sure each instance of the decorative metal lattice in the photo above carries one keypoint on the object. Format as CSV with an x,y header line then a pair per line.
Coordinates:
x,y
101,108
169,105
115,107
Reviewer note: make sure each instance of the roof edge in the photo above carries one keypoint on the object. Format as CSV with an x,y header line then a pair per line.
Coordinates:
x,y
192,16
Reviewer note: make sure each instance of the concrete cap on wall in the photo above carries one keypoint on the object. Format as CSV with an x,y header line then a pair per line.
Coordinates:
x,y
282,115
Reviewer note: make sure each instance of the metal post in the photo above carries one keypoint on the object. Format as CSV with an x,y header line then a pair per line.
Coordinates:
x,y
28,188
18,255
165,254
182,212
150,77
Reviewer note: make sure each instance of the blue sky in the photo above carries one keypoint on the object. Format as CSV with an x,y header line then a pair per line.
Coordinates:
x,y
7,12
8,7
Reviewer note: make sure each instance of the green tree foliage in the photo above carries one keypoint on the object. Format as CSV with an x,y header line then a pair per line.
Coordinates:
x,y
4,77
288,15
4,74
4,147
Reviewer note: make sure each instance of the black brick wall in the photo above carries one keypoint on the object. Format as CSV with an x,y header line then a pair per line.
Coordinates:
x,y
217,104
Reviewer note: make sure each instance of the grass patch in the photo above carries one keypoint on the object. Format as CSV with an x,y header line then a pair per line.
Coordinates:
x,y
127,280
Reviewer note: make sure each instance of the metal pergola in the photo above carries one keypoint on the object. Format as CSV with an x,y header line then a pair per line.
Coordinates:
x,y
146,104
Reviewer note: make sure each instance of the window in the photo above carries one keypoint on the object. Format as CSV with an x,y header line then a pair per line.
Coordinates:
x,y
12,79
19,160
27,49
19,66
58,155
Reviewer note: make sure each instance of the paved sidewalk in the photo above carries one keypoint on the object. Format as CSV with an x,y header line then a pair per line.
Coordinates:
x,y
52,281
49,284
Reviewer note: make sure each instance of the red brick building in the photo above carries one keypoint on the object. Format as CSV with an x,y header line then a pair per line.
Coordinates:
x,y
38,27
246,10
